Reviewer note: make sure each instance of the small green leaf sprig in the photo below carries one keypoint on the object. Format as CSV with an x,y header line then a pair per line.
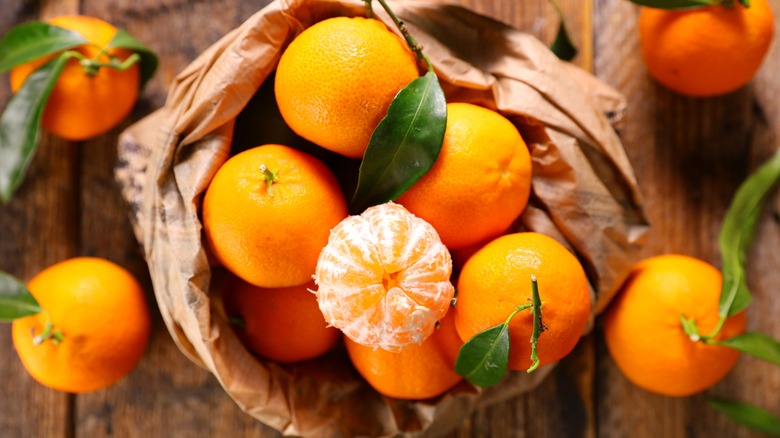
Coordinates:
x,y
17,302
736,236
483,359
20,122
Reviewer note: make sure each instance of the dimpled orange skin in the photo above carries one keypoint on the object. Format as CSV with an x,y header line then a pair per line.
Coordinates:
x,y
643,331
497,279
480,182
281,324
100,310
272,239
336,80
706,51
418,372
384,278
82,106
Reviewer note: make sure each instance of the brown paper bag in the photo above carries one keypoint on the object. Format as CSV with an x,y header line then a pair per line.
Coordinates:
x,y
584,194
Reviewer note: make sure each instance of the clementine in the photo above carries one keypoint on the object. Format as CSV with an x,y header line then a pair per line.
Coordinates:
x,y
336,80
416,373
497,279
706,51
267,214
83,105
480,182
646,339
281,324
99,325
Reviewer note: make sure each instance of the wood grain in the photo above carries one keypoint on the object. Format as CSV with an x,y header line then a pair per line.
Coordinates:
x,y
689,155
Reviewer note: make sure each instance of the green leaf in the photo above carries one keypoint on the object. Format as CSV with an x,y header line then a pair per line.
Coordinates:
x,y
673,4
563,47
484,358
123,40
33,40
748,415
755,344
404,145
20,124
737,232
15,300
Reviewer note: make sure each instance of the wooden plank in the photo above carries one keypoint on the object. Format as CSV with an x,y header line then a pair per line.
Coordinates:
x,y
690,156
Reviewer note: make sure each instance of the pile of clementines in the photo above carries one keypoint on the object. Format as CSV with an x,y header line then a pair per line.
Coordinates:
x,y
306,272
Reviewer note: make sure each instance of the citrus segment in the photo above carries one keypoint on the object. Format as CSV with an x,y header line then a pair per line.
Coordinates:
x,y
383,278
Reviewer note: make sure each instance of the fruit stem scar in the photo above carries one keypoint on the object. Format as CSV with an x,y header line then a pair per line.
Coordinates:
x,y
691,329
269,176
49,333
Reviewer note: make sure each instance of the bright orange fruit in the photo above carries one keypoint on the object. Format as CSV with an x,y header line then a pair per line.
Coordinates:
x,y
100,310
418,372
281,324
81,105
480,182
497,279
646,339
706,51
384,278
269,226
336,80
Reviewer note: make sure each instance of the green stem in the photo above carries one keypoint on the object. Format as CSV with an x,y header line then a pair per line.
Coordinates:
x,y
49,333
369,8
270,178
413,44
538,327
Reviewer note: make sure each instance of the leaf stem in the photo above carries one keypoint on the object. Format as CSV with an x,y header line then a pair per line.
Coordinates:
x,y
270,178
369,8
538,327
49,333
410,40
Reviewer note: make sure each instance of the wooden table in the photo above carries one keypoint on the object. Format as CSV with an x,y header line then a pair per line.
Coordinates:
x,y
689,156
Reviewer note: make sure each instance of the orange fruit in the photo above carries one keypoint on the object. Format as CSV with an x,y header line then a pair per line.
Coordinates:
x,y
336,80
268,227
497,279
646,339
100,310
480,182
706,51
416,373
281,324
81,105
384,278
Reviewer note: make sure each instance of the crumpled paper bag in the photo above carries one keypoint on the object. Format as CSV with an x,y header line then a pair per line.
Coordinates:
x,y
584,194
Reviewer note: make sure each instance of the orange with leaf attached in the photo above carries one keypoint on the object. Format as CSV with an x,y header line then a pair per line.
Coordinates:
x,y
497,279
83,105
644,334
99,325
706,51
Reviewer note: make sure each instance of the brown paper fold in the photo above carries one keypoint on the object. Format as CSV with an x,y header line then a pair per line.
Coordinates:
x,y
584,194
